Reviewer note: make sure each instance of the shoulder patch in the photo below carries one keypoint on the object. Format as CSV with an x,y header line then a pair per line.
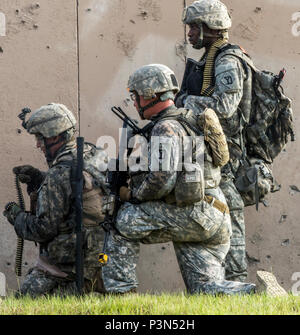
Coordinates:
x,y
229,78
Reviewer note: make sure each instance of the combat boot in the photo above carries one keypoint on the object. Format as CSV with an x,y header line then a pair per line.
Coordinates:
x,y
269,285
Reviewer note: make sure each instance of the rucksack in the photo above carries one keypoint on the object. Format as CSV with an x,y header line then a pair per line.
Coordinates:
x,y
271,117
265,130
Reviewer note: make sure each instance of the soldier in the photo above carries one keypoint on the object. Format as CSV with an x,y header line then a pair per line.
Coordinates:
x,y
53,223
221,82
161,205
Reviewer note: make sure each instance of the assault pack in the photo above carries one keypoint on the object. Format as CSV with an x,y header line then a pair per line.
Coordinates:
x,y
266,130
271,117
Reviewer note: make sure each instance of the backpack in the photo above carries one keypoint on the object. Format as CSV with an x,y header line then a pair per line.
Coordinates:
x,y
265,130
271,117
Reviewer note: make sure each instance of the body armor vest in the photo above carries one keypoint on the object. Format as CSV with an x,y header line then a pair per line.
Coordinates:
x,y
190,186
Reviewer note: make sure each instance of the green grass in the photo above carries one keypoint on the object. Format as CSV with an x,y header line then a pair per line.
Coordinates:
x,y
146,304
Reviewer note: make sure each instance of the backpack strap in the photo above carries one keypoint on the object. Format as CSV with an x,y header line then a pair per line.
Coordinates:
x,y
178,115
237,51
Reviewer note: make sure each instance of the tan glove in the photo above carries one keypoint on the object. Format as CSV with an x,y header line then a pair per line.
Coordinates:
x,y
125,194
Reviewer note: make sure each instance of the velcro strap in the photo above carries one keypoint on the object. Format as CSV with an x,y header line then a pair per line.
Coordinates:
x,y
219,205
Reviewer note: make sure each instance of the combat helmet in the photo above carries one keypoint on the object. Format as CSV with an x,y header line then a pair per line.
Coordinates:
x,y
149,80
51,120
211,12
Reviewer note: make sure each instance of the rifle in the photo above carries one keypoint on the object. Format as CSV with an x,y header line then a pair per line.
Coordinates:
x,y
79,210
117,178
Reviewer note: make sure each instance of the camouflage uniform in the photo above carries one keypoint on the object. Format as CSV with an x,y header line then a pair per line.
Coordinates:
x,y
231,95
200,232
53,228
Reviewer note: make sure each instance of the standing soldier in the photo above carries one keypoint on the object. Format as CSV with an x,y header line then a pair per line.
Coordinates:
x,y
53,223
223,83
168,204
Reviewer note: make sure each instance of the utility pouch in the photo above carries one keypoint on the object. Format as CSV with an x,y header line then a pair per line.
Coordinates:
x,y
190,186
254,180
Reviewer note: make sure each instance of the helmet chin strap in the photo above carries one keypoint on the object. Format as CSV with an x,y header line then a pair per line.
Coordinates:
x,y
199,44
49,155
143,109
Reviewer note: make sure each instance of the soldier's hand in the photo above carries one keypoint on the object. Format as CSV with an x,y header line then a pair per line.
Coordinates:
x,y
11,211
125,194
29,175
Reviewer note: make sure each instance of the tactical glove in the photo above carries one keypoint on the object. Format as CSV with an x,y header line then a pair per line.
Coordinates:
x,y
11,211
29,175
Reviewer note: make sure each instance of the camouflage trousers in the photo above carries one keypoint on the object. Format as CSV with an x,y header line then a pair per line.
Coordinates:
x,y
38,282
236,262
200,234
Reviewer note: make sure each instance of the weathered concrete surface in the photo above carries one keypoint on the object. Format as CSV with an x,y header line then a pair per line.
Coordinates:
x,y
38,65
116,37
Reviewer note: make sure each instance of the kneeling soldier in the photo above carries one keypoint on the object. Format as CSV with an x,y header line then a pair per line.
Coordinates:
x,y
170,204
53,223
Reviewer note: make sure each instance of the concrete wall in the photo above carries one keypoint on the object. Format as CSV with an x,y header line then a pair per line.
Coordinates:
x,y
39,65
